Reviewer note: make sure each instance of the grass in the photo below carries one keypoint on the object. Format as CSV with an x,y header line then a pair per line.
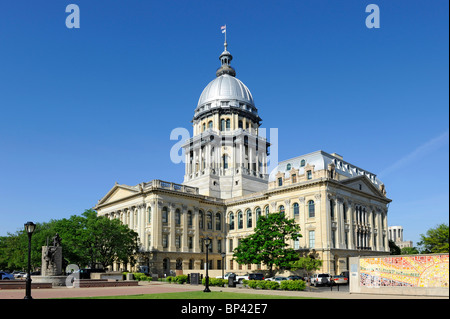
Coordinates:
x,y
197,295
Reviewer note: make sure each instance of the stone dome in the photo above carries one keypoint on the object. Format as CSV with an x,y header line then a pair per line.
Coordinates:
x,y
226,88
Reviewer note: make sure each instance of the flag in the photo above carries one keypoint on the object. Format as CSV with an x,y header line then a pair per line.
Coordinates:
x,y
223,28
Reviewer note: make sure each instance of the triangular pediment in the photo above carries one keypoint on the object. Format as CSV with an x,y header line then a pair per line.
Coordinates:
x,y
118,192
363,184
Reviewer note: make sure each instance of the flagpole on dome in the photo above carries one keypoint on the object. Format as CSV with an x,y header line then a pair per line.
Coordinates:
x,y
224,30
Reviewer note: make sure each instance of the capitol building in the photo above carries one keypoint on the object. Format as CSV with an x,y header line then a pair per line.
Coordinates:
x,y
340,207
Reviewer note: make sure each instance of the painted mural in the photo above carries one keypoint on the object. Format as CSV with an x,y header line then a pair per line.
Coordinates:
x,y
410,271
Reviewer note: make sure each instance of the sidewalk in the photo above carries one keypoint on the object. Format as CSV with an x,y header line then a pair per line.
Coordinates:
x,y
160,287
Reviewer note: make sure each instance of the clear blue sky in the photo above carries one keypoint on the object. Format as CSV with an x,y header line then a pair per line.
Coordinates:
x,y
84,108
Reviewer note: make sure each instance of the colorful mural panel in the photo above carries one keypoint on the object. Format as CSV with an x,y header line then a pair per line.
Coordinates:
x,y
408,271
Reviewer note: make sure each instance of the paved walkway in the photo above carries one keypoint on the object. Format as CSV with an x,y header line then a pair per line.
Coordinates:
x,y
159,287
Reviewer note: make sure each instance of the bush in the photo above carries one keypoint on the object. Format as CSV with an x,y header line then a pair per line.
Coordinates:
x,y
253,283
217,282
297,285
180,279
272,285
170,279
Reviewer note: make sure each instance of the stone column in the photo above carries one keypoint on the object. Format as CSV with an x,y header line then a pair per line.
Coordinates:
x,y
172,227
184,244
158,225
196,247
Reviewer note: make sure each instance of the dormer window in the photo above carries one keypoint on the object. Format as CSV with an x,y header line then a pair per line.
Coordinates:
x,y
288,167
302,163
280,181
309,175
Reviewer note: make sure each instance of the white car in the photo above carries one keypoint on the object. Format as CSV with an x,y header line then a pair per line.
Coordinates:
x,y
321,279
226,275
277,278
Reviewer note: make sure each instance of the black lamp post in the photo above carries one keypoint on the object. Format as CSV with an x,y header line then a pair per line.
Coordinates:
x,y
207,243
29,228
223,262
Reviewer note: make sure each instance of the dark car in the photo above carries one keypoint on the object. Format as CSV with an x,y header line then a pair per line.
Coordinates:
x,y
86,272
255,277
294,277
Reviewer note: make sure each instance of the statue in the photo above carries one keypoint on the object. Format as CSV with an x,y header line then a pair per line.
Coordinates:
x,y
52,258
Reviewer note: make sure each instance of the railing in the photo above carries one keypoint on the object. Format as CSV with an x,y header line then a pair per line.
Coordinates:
x,y
173,186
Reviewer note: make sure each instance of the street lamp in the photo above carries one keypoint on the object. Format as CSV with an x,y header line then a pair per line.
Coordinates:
x,y
223,262
207,243
29,228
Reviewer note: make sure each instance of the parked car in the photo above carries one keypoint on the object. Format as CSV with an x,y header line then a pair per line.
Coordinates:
x,y
277,278
340,280
294,277
18,274
6,276
321,279
226,275
256,276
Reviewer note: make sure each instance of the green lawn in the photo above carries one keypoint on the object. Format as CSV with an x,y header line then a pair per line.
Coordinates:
x,y
198,295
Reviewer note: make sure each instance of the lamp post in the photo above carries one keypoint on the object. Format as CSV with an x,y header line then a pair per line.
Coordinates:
x,y
223,262
207,243
29,228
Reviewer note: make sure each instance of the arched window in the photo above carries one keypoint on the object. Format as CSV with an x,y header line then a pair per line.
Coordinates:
x,y
295,209
240,220
288,167
311,209
266,210
218,221
177,217
302,163
179,264
231,220
225,161
210,124
281,209
165,215
257,214
166,264
222,125
209,220
228,125
248,213
201,217
240,124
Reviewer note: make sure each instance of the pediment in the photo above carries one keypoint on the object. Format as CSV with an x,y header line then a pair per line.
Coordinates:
x,y
118,192
363,184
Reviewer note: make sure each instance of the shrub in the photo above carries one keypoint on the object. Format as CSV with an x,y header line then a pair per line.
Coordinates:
x,y
297,285
170,279
253,283
217,282
272,285
180,279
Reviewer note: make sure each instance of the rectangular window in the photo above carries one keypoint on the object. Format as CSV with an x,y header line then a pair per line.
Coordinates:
x,y
178,241
219,246
230,245
312,239
297,244
280,181
190,242
309,175
165,240
294,178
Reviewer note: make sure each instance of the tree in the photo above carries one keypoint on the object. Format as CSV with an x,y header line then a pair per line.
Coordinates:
x,y
393,248
308,264
435,241
409,251
268,244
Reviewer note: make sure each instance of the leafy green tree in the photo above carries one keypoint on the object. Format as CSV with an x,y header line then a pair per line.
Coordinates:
x,y
435,241
409,251
268,244
308,264
87,240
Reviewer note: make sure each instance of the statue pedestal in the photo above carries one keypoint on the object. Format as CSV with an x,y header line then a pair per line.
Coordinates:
x,y
56,281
